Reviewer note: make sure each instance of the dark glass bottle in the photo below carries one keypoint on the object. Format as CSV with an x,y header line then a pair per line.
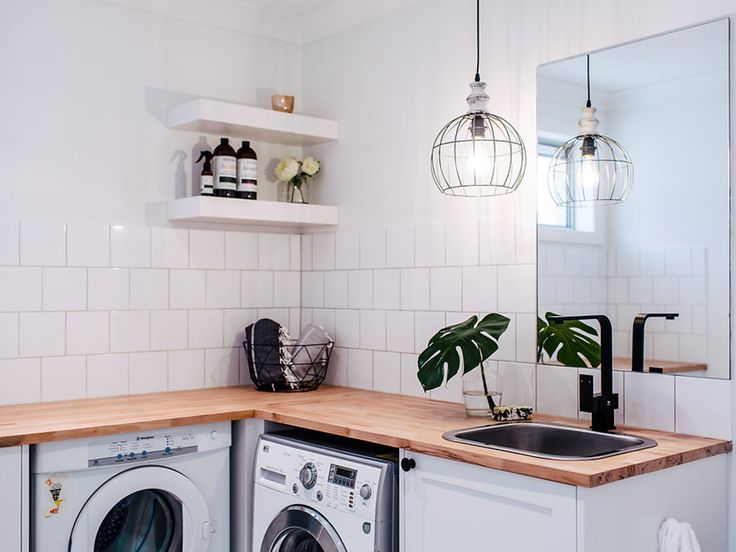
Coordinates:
x,y
247,172
225,169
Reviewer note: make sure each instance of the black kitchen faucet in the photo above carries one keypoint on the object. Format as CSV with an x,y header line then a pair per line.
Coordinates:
x,y
637,336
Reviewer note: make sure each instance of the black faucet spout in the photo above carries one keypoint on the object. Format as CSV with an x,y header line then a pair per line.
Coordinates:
x,y
637,336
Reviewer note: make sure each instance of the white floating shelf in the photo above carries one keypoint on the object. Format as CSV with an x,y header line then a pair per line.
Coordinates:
x,y
253,123
253,213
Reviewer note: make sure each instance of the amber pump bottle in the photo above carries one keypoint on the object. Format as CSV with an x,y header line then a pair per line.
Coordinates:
x,y
206,179
225,169
247,172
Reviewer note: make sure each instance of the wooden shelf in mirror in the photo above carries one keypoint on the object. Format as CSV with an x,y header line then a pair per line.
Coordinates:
x,y
623,364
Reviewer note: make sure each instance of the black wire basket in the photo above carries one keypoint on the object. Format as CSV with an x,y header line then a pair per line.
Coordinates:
x,y
289,368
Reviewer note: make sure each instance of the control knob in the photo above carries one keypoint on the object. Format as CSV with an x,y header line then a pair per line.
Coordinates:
x,y
308,475
366,492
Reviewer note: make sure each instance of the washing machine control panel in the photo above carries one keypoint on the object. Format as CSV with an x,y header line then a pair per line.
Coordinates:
x,y
328,481
133,448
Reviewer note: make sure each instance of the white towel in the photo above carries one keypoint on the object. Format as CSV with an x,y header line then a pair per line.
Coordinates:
x,y
674,536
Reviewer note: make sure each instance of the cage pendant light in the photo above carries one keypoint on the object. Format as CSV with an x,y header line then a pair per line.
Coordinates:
x,y
590,169
478,154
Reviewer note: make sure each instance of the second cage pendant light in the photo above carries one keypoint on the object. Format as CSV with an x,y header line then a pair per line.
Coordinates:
x,y
590,169
478,154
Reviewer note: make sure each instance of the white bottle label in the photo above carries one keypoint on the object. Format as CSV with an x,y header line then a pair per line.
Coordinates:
x,y
224,168
247,175
206,184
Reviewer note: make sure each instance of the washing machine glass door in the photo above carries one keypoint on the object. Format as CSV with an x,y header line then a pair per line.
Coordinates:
x,y
301,529
146,509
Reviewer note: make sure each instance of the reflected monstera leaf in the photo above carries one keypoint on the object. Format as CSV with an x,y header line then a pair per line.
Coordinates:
x,y
571,343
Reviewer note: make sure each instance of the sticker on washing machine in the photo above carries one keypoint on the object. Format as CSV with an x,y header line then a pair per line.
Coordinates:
x,y
54,486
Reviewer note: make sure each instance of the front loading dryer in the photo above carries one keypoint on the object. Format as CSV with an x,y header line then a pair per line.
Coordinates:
x,y
161,490
314,496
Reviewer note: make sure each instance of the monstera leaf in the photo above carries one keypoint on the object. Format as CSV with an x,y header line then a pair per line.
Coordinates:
x,y
571,342
468,343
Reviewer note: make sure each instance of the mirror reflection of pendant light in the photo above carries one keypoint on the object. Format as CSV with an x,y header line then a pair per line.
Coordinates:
x,y
590,169
478,154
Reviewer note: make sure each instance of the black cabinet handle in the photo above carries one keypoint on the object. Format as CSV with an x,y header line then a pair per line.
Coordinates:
x,y
408,464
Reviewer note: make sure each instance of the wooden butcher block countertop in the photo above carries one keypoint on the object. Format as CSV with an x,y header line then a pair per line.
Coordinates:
x,y
411,423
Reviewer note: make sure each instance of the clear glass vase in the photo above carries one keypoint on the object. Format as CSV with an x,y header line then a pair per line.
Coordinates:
x,y
297,193
482,389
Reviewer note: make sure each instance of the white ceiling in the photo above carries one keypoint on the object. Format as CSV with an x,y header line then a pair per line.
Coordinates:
x,y
287,7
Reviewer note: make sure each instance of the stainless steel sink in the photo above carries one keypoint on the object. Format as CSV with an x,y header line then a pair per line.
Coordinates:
x,y
556,442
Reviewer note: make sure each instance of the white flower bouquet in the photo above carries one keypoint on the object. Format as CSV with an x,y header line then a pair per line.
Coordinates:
x,y
296,173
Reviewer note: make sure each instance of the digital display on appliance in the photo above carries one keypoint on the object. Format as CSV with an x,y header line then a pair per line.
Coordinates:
x,y
342,476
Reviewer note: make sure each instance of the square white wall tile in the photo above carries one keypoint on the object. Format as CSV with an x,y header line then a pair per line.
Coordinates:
x,y
241,251
42,244
360,289
306,252
480,288
108,289
373,248
507,341
256,289
387,289
42,333
130,246
21,381
517,288
347,328
519,383
557,391
373,329
88,244
206,249
186,370
445,289
9,335
347,249
147,372
87,332
130,331
426,324
21,289
187,289
295,252
326,319
429,245
526,338
400,246
337,370
703,407
236,320
677,262
409,383
323,251
149,288
415,289
9,242
400,331
223,289
286,289
107,375
169,330
63,378
649,401
64,289
205,329
387,372
273,252
336,289
461,243
360,369
313,289
169,248
221,367
497,239
628,262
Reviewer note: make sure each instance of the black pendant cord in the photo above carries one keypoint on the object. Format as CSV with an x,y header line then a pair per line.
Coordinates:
x,y
588,104
477,41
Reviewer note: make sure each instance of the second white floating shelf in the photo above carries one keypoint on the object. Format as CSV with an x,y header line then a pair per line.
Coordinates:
x,y
253,123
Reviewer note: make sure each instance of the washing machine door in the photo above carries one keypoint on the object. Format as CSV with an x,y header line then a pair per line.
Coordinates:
x,y
145,509
301,529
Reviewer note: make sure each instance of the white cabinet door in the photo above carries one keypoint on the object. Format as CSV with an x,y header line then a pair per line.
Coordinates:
x,y
14,504
451,506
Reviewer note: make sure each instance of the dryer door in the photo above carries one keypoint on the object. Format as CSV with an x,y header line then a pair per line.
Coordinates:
x,y
146,509
301,529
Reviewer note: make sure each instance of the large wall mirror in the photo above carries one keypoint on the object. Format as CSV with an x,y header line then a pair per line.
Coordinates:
x,y
665,247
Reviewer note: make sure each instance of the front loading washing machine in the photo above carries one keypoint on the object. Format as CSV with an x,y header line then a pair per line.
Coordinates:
x,y
314,493
162,490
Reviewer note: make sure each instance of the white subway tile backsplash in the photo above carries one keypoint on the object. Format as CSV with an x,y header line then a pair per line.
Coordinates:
x,y
88,244
169,248
347,250
480,288
236,320
698,257
666,346
222,289
347,328
130,331
187,289
415,289
496,240
557,390
323,251
107,289
640,290
221,367
360,369
373,329
337,369
507,342
313,289
693,348
186,370
149,288
628,262
256,289
42,333
701,407
692,290
9,335
665,290
360,289
206,249
287,289
517,288
429,245
336,289
87,332
241,251
426,324
526,338
387,289
306,252
42,244
446,289
21,289
274,252
169,330
107,375
373,248
64,289
387,372
519,383
147,372
130,247
21,381
409,383
400,246
461,242
63,378
573,261
677,262
649,400
9,242
400,331
295,252
205,329
326,319
652,262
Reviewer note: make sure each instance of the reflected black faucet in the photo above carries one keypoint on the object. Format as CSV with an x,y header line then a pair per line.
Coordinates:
x,y
637,336
601,405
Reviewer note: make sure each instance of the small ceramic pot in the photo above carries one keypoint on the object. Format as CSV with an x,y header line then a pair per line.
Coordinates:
x,y
281,103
